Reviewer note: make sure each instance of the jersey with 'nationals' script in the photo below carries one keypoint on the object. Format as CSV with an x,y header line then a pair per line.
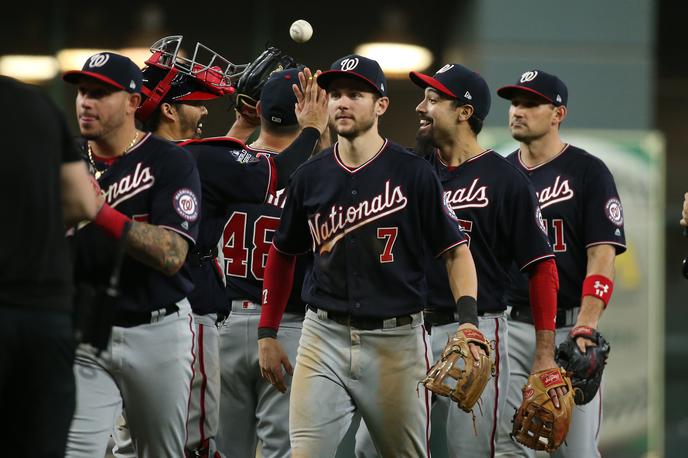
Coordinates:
x,y
581,208
369,228
156,182
498,211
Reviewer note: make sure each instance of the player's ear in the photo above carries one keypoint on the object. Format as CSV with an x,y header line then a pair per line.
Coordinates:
x,y
381,105
465,112
259,110
559,114
132,103
168,111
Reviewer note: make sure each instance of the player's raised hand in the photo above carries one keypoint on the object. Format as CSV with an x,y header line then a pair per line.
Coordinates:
x,y
684,213
311,101
271,359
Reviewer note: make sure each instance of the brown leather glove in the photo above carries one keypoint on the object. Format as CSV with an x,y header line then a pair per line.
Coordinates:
x,y
538,424
457,363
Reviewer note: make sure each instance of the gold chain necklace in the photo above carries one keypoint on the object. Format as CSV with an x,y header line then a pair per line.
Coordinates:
x,y
98,173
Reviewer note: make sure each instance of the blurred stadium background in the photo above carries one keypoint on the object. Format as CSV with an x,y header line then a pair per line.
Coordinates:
x,y
624,64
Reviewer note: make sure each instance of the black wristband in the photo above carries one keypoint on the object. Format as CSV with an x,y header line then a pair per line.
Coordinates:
x,y
467,307
266,332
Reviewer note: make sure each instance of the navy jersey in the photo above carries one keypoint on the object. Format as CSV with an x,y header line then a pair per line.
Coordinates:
x,y
155,182
229,173
246,239
369,229
498,211
581,208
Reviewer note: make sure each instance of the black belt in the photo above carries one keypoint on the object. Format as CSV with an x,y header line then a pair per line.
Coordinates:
x,y
435,317
199,257
130,318
565,317
363,323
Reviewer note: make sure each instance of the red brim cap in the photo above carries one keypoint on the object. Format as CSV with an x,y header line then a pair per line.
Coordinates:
x,y
197,96
325,79
74,75
424,81
507,92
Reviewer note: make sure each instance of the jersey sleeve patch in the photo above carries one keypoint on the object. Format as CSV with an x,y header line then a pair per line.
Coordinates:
x,y
186,204
614,211
538,219
448,208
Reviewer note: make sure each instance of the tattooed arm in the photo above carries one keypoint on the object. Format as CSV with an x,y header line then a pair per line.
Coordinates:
x,y
162,249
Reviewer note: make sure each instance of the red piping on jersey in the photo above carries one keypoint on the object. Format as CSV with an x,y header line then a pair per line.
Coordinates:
x,y
204,382
536,260
566,146
496,401
179,232
193,374
606,242
427,400
599,417
195,141
286,253
454,167
356,169
110,160
450,247
272,178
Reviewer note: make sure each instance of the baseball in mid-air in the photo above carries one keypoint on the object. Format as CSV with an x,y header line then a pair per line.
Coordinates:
x,y
301,31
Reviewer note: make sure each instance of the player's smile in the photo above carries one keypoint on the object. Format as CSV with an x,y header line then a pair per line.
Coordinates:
x,y
425,125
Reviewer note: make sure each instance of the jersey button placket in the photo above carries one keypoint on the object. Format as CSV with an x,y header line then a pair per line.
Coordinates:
x,y
352,270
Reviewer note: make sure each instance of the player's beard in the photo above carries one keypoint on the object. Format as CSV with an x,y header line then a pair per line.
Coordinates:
x,y
425,143
107,126
359,126
190,126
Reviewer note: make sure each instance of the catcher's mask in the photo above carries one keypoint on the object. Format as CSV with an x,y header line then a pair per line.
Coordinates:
x,y
170,77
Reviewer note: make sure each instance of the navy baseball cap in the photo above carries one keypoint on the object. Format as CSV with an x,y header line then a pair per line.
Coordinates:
x,y
540,83
358,67
460,83
113,69
277,98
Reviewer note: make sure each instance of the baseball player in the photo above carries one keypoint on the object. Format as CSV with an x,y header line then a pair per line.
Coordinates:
x,y
153,187
361,207
584,218
684,213
174,90
251,409
498,211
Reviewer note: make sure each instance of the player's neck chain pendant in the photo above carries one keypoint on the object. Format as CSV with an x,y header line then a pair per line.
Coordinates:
x,y
98,173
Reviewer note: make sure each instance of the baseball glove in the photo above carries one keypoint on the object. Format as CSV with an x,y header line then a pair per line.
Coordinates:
x,y
538,424
457,363
585,368
256,74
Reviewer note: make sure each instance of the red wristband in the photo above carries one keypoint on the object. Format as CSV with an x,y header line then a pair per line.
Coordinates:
x,y
111,221
598,286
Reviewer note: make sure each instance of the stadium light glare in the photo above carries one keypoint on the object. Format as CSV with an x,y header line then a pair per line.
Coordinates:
x,y
27,68
397,59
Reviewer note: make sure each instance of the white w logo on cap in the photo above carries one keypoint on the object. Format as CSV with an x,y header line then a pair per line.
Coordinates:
x,y
349,64
529,76
445,68
98,60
